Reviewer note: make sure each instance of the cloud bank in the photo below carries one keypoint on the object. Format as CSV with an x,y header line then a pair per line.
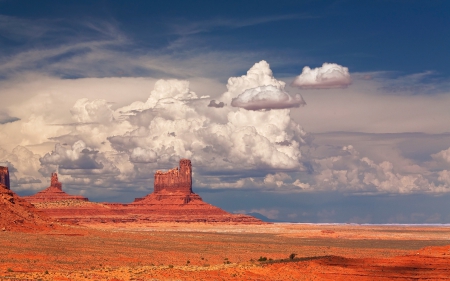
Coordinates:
x,y
329,76
253,144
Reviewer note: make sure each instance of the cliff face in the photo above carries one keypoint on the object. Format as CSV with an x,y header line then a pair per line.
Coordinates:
x,y
177,179
4,176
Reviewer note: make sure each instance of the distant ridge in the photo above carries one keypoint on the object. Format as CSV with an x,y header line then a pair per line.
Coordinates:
x,y
263,218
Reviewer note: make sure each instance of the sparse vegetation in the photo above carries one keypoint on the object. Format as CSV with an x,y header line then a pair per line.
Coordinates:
x,y
170,265
10,270
261,258
292,256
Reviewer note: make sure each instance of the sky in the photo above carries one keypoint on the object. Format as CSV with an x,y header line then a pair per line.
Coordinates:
x,y
302,111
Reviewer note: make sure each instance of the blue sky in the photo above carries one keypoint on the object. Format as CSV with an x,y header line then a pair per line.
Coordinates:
x,y
106,92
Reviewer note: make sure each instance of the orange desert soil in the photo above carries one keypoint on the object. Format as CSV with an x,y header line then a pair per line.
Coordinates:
x,y
19,215
200,251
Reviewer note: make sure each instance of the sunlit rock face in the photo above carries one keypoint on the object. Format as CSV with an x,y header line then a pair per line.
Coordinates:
x,y
177,179
4,176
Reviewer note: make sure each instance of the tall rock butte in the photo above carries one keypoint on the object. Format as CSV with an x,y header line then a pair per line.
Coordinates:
x,y
172,187
173,200
53,193
177,179
4,176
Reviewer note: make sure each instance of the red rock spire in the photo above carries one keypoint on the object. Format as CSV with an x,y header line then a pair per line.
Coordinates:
x,y
4,176
54,181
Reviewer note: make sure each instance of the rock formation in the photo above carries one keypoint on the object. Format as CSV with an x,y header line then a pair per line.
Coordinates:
x,y
174,185
4,176
172,201
177,179
18,214
53,193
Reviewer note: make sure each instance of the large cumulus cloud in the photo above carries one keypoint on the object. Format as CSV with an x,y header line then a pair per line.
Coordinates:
x,y
266,97
248,146
124,146
330,75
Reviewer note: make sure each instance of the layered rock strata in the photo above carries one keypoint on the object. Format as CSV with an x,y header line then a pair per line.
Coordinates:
x,y
53,193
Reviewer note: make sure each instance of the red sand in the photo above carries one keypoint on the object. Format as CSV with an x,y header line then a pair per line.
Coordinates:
x,y
227,252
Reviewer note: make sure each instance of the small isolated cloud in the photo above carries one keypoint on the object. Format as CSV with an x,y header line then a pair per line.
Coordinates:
x,y
267,97
6,118
216,105
330,75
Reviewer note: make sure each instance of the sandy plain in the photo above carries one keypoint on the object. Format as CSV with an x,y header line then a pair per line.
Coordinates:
x,y
199,251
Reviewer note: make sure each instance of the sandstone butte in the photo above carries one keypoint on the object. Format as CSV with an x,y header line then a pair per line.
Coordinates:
x,y
15,212
53,193
172,200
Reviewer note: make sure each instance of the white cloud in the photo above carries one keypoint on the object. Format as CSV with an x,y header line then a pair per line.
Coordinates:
x,y
258,75
301,185
79,159
266,97
442,156
349,172
85,111
444,176
23,166
330,75
277,179
142,155
152,128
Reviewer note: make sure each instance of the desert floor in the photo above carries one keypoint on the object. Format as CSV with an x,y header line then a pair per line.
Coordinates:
x,y
227,252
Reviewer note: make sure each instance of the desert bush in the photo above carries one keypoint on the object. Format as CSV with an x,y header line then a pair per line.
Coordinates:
x,y
292,256
261,258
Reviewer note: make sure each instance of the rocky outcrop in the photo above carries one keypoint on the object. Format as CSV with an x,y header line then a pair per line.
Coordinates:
x,y
53,193
177,179
4,176
17,214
